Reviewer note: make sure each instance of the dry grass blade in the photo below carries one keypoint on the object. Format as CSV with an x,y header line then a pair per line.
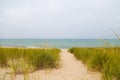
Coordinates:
x,y
116,35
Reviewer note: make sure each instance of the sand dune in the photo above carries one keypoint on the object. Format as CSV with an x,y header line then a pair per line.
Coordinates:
x,y
71,69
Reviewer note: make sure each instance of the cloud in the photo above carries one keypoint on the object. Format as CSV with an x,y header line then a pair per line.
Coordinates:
x,y
59,18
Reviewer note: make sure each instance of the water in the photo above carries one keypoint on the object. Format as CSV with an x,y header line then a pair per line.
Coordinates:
x,y
58,43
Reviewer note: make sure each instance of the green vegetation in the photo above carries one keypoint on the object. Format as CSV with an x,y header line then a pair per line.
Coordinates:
x,y
105,60
23,60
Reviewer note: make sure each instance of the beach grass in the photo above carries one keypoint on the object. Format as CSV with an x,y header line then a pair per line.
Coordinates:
x,y
22,60
105,60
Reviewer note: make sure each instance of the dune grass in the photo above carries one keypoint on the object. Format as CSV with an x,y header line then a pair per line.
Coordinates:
x,y
23,60
105,60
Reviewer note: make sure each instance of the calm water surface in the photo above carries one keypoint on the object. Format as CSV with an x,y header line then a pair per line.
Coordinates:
x,y
58,43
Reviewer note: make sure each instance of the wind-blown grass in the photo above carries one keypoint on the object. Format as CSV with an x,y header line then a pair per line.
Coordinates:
x,y
105,60
22,59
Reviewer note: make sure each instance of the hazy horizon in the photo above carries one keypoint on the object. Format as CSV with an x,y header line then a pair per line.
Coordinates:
x,y
59,19
57,38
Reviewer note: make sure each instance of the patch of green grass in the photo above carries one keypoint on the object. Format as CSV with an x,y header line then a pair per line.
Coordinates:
x,y
105,60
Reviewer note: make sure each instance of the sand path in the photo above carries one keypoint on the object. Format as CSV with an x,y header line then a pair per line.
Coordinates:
x,y
71,69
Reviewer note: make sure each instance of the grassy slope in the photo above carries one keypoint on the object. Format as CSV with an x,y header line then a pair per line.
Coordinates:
x,y
23,59
105,60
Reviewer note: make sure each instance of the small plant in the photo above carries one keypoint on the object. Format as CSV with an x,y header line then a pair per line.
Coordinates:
x,y
20,67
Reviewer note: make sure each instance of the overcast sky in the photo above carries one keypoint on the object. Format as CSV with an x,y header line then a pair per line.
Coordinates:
x,y
59,18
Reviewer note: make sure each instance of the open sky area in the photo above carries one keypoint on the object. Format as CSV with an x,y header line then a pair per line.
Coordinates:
x,y
59,19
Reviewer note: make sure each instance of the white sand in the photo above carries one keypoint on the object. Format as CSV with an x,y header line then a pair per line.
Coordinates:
x,y
71,69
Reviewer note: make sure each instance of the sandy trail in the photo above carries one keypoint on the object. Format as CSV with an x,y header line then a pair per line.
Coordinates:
x,y
71,69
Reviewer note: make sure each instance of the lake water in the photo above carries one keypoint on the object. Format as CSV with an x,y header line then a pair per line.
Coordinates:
x,y
59,43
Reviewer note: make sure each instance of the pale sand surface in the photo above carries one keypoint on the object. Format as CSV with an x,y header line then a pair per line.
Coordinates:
x,y
71,69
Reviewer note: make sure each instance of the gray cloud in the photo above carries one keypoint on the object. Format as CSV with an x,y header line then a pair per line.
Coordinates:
x,y
59,18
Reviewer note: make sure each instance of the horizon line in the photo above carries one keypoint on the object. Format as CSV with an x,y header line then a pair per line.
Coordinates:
x,y
58,38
